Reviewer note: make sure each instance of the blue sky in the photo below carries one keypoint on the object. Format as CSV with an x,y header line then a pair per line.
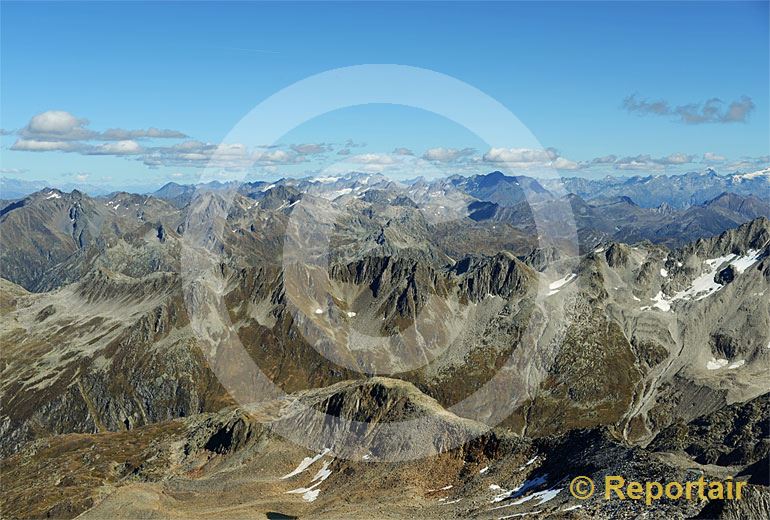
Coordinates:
x,y
607,88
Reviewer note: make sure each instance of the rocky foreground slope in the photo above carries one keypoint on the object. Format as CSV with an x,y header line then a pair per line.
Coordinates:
x,y
230,464
523,365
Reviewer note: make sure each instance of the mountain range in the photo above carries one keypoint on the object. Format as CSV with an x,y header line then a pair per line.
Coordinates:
x,y
526,337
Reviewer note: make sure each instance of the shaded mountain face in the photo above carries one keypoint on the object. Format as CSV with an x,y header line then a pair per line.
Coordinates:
x,y
501,189
54,238
616,357
620,219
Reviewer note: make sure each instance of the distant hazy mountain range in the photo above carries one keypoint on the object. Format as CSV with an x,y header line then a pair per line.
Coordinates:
x,y
677,191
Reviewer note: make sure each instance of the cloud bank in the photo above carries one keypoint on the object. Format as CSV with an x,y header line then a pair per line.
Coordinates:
x,y
713,110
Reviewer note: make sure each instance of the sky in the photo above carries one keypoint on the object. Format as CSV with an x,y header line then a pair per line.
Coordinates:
x,y
138,94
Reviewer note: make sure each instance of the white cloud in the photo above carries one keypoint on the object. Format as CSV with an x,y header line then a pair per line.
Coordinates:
x,y
57,124
517,155
61,131
675,158
633,164
446,155
198,154
565,164
606,159
309,148
127,147
373,158
33,145
749,163
640,162
712,157
529,158
710,111
118,134
279,157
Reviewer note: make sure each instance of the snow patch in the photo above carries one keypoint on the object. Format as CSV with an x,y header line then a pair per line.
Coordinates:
x,y
543,496
716,364
515,515
323,473
556,286
744,262
528,463
483,470
520,490
309,494
306,463
660,303
704,285
53,195
335,194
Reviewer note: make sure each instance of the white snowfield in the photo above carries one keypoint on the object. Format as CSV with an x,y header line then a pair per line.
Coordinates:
x,y
716,364
310,493
704,285
53,195
519,495
517,491
338,193
556,286
306,463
